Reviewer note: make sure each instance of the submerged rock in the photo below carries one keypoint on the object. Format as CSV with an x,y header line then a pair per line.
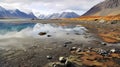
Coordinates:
x,y
65,45
48,35
69,42
67,33
77,33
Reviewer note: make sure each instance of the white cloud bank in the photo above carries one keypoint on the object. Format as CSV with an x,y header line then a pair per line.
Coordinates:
x,y
50,6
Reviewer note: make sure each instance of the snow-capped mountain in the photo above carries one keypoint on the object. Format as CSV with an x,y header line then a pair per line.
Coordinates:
x,y
4,13
42,16
59,15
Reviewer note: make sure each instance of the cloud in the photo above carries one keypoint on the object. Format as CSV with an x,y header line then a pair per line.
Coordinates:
x,y
50,6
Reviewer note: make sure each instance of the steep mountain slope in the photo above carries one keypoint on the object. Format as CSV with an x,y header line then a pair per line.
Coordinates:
x,y
4,12
106,8
59,15
14,14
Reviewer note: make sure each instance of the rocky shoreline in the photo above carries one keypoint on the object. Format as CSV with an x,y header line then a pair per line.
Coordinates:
x,y
90,57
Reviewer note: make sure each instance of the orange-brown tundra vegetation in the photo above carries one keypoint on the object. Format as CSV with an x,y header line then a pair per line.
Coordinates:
x,y
108,18
105,27
93,59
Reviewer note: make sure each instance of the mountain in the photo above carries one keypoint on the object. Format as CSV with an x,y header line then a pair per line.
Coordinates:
x,y
105,8
14,14
4,12
31,15
59,15
42,16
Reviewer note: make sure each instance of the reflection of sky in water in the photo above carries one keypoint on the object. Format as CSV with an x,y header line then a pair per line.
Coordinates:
x,y
8,30
8,27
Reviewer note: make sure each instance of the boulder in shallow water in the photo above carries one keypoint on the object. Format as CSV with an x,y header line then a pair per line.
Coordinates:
x,y
42,33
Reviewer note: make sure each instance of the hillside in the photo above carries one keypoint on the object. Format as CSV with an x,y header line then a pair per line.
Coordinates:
x,y
105,8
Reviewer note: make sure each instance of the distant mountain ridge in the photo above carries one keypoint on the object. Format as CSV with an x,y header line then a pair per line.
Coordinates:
x,y
105,8
4,13
59,15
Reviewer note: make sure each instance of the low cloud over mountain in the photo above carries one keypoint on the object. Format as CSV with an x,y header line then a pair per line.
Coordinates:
x,y
59,15
4,13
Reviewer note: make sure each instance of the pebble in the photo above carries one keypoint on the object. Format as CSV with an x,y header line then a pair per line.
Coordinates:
x,y
68,63
73,48
112,50
114,22
89,48
65,45
58,65
103,52
49,57
103,43
78,50
55,65
62,59
88,51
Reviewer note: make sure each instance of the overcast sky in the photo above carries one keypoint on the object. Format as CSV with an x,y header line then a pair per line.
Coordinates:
x,y
49,6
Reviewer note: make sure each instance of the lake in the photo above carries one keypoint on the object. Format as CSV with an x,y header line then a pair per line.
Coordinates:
x,y
22,35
